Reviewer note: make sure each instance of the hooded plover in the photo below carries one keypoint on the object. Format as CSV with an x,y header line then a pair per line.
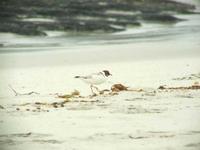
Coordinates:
x,y
95,79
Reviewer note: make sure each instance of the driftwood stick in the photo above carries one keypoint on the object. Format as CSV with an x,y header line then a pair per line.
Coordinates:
x,y
17,94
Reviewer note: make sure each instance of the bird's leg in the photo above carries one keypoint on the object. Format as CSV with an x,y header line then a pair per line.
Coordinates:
x,y
91,87
96,88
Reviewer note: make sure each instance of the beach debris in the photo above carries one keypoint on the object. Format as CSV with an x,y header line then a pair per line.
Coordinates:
x,y
196,83
66,96
55,105
103,91
40,105
149,93
115,88
118,87
195,86
136,90
189,77
71,95
28,134
20,94
162,87
93,95
20,134
113,93
76,97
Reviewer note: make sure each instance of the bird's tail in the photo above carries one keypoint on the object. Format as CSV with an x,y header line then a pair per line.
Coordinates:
x,y
77,76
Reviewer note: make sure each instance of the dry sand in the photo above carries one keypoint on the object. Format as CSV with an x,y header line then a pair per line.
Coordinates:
x,y
150,119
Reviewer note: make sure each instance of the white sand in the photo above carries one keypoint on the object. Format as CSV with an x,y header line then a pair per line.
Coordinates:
x,y
130,120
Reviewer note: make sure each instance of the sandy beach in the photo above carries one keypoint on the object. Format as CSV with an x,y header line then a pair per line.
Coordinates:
x,y
145,117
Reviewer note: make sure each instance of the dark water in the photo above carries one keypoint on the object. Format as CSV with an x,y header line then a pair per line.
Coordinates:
x,y
186,31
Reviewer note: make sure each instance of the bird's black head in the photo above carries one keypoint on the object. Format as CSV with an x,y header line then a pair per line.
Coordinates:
x,y
107,73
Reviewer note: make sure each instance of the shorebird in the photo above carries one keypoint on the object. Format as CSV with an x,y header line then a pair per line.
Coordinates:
x,y
95,79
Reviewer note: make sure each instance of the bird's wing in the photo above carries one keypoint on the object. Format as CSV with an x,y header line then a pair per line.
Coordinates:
x,y
86,77
97,74
92,75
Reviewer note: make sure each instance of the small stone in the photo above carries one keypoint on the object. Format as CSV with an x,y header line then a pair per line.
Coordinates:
x,y
161,87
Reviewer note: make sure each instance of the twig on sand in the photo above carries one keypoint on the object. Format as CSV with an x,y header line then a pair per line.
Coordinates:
x,y
18,94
